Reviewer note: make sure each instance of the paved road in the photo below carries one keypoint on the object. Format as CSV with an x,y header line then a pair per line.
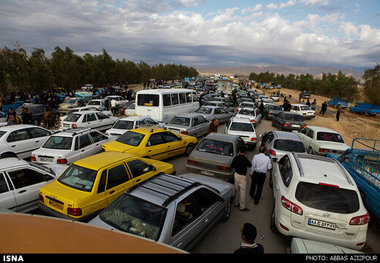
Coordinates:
x,y
225,237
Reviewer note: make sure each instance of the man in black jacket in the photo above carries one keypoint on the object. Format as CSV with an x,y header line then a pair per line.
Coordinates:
x,y
240,163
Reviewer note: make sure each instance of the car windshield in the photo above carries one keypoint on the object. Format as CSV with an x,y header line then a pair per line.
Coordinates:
x,y
93,102
71,101
124,125
293,117
327,198
247,112
183,121
241,126
131,138
72,117
136,216
204,110
289,145
216,147
78,177
330,137
58,143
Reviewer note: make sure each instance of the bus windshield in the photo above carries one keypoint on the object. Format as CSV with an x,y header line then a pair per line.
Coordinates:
x,y
148,100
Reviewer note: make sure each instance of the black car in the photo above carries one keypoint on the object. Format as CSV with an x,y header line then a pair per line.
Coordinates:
x,y
305,95
37,111
271,110
288,121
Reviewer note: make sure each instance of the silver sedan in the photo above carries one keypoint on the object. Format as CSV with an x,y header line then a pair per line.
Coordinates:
x,y
193,124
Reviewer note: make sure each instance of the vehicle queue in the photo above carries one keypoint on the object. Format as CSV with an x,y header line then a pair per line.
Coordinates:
x,y
120,180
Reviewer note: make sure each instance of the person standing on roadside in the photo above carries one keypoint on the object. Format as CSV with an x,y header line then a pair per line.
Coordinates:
x,y
241,164
338,111
323,108
260,165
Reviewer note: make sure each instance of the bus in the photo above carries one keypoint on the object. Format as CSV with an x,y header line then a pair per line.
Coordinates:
x,y
163,104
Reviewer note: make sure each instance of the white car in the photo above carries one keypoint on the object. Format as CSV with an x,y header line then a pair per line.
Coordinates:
x,y
68,146
305,246
20,183
244,128
129,110
85,108
20,140
303,110
253,115
321,140
275,97
128,123
88,119
120,101
99,104
316,198
246,104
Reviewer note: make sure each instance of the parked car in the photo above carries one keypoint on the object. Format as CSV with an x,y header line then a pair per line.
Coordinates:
x,y
211,112
306,246
288,121
193,124
213,156
302,110
88,119
220,104
271,110
321,140
253,115
99,104
304,95
85,108
37,111
90,184
120,101
20,183
72,102
20,140
129,110
152,142
68,146
242,105
316,198
244,128
275,97
278,143
129,123
177,216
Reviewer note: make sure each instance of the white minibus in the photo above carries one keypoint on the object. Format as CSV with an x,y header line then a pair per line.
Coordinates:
x,y
163,104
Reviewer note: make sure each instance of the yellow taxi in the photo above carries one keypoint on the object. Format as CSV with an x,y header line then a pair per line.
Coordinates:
x,y
90,184
152,142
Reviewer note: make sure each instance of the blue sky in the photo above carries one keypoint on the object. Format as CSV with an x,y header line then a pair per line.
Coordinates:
x,y
201,33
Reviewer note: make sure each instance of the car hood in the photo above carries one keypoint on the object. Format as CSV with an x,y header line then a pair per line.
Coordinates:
x,y
58,169
116,131
223,187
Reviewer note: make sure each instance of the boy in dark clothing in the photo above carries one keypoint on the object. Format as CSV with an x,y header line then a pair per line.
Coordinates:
x,y
248,246
240,163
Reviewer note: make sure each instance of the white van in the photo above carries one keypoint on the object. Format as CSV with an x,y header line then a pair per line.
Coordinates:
x,y
162,104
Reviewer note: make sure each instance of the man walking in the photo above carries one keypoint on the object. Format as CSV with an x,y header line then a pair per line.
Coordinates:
x,y
260,165
213,127
240,163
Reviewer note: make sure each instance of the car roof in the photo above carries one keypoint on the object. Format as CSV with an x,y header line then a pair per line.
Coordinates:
x,y
10,162
237,119
85,112
8,128
314,168
149,129
73,132
133,118
222,136
192,114
100,160
286,135
318,128
162,189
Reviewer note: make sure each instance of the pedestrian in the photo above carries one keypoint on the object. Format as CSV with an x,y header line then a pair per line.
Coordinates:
x,y
241,164
308,103
260,165
113,106
314,104
323,108
338,111
249,246
213,126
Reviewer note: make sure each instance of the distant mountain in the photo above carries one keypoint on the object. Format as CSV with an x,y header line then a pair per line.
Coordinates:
x,y
286,70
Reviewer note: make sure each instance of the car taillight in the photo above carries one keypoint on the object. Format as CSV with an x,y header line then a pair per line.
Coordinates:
x,y
184,132
41,198
252,120
74,211
74,126
193,162
286,124
291,206
321,150
271,152
360,220
224,168
304,114
303,126
33,158
62,161
253,139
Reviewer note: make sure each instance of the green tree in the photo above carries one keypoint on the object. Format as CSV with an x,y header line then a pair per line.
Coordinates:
x,y
372,84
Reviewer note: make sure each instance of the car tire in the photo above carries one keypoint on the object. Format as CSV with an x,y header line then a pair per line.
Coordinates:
x,y
310,150
272,221
189,149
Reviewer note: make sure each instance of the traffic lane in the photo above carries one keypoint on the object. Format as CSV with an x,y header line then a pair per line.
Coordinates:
x,y
225,237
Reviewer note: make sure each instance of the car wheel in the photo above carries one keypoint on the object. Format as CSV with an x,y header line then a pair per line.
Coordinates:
x,y
310,150
189,149
272,221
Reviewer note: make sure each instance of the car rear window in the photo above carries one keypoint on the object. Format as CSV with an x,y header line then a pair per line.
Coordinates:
x,y
289,145
216,147
241,126
136,216
131,138
293,117
329,136
327,198
249,112
183,121
72,117
124,125
58,142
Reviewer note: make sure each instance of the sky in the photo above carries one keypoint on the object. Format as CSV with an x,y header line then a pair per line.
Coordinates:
x,y
201,33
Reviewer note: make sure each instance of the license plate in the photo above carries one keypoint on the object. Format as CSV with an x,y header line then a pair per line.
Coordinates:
x,y
46,159
56,205
66,125
322,224
207,173
295,125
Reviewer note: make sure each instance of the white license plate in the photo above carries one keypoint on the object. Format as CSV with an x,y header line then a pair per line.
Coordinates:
x,y
322,224
44,159
66,125
295,125
207,173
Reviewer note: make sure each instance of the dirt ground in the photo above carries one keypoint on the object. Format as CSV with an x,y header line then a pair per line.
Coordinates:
x,y
350,125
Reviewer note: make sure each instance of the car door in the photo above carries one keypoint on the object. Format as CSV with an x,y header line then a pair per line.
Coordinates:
x,y
39,135
86,147
118,181
92,121
27,183
98,140
7,197
140,170
156,148
195,213
21,143
175,145
104,121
